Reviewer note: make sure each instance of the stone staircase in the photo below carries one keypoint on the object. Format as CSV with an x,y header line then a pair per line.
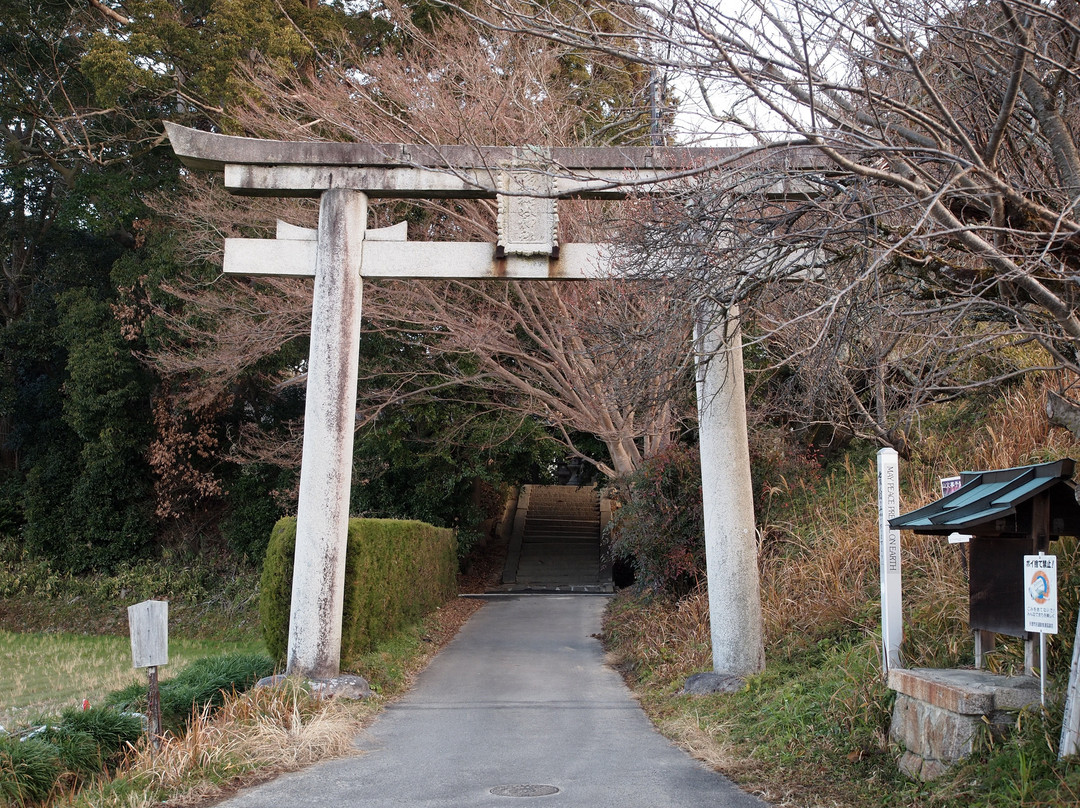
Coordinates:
x,y
555,546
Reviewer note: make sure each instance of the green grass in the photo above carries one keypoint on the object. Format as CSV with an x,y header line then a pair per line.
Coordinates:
x,y
812,729
45,673
390,666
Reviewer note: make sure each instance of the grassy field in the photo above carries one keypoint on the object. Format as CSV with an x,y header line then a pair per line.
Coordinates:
x,y
45,672
64,638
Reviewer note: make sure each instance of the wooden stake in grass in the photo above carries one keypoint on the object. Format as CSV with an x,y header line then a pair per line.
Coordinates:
x,y
149,625
153,705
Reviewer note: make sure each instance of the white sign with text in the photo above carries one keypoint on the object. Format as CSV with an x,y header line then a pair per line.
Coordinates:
x,y
1040,594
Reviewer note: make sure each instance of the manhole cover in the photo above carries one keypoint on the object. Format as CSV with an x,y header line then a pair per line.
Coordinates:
x,y
524,790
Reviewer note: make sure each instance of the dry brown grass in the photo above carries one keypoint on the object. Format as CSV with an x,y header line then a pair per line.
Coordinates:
x,y
819,564
252,737
820,560
665,638
1014,431
815,574
1018,431
271,729
262,733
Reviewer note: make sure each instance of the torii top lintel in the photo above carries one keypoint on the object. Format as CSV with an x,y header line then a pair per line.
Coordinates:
x,y
257,167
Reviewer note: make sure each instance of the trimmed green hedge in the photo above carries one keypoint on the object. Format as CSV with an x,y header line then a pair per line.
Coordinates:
x,y
396,571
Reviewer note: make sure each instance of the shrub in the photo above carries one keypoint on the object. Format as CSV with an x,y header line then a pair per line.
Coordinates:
x,y
396,571
11,518
204,683
111,730
28,770
659,526
79,746
105,519
78,752
275,588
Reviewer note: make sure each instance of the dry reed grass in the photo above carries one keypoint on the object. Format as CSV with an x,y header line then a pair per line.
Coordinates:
x,y
265,731
1018,431
820,562
1014,431
815,575
281,728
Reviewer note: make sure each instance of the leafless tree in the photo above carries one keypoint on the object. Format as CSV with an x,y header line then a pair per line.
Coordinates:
x,y
936,235
546,350
607,359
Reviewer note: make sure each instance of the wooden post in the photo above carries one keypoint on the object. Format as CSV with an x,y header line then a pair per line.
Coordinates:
x,y
153,708
985,642
1034,656
149,625
1033,661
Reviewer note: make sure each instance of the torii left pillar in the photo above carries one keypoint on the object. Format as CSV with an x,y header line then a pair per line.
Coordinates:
x,y
322,522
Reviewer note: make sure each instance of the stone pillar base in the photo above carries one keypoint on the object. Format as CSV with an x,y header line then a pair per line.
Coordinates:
x,y
941,716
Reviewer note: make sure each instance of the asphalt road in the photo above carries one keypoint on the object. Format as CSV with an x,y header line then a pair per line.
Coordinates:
x,y
520,702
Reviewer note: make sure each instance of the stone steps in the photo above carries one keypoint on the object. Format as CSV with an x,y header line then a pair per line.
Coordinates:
x,y
556,543
557,536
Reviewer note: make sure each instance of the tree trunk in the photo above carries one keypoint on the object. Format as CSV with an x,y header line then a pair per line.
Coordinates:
x,y
621,459
1063,412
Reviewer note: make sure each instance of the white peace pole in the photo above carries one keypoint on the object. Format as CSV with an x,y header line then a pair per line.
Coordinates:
x,y
892,611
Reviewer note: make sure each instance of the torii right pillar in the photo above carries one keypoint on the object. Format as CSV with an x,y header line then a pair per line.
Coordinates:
x,y
727,495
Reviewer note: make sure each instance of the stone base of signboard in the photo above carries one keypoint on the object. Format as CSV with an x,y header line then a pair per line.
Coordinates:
x,y
941,716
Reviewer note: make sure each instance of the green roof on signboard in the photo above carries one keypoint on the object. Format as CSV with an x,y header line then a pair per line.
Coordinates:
x,y
985,496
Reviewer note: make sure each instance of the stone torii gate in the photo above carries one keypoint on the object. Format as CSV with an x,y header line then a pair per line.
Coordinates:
x,y
527,182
